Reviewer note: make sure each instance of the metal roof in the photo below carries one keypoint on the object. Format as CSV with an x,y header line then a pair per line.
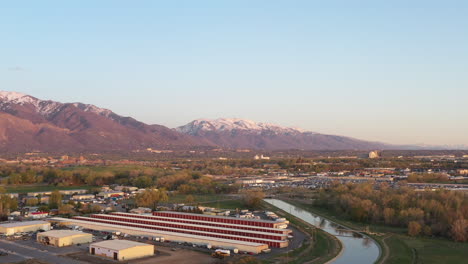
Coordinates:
x,y
178,229
222,217
156,232
192,225
200,221
118,244
26,223
62,233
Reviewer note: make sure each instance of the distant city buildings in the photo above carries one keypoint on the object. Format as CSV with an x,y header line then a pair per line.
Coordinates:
x,y
261,157
374,154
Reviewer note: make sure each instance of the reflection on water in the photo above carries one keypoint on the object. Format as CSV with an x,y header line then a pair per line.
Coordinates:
x,y
357,248
323,223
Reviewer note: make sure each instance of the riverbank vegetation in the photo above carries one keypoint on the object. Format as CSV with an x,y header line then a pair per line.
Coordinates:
x,y
439,213
397,246
319,247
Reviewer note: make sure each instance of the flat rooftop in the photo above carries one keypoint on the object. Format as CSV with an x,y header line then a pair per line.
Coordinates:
x,y
150,216
220,217
119,244
25,223
105,226
62,233
171,229
119,218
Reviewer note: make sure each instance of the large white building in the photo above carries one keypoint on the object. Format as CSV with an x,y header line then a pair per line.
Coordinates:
x,y
62,238
121,249
27,226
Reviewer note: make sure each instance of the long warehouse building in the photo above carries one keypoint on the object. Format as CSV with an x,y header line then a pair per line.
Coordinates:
x,y
27,226
207,233
223,219
207,223
196,227
168,236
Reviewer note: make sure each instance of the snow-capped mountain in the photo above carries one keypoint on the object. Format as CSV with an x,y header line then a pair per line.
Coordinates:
x,y
10,100
241,133
28,123
232,124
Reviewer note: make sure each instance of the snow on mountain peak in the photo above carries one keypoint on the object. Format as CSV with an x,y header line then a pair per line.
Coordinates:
x,y
93,109
45,108
15,97
230,124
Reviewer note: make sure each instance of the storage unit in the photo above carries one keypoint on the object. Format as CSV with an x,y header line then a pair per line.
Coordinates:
x,y
121,249
206,223
223,219
168,236
27,226
231,230
62,238
207,233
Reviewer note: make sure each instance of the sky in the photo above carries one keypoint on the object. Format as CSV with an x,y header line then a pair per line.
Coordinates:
x,y
391,71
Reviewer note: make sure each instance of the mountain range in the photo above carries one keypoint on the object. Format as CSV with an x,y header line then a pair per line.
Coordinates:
x,y
31,124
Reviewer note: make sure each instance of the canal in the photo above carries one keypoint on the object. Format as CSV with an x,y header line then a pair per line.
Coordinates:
x,y
357,248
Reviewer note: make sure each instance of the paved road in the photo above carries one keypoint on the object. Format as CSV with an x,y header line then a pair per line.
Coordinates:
x,y
21,252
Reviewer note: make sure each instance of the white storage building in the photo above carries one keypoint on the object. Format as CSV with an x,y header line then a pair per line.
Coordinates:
x,y
121,249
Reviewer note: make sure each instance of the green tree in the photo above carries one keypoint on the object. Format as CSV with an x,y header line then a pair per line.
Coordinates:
x,y
55,199
414,228
252,198
151,197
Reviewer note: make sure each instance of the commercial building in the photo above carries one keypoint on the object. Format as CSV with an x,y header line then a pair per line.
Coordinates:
x,y
168,236
62,238
83,196
38,215
64,192
27,226
223,219
271,239
110,194
121,249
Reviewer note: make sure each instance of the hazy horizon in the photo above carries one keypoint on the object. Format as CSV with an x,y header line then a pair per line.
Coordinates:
x,y
389,72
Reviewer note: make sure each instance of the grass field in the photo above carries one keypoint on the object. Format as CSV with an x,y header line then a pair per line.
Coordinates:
x,y
43,188
225,204
403,248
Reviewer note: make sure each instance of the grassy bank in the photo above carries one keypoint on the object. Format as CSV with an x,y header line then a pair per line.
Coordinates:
x,y
320,247
397,246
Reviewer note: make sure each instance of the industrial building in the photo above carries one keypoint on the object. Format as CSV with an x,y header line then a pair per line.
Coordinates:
x,y
27,226
250,235
121,249
196,229
168,236
207,223
63,238
223,219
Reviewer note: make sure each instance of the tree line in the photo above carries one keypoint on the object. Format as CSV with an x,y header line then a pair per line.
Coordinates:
x,y
431,213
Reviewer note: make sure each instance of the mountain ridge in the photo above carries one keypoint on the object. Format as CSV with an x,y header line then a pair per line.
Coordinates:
x,y
243,133
28,124
44,125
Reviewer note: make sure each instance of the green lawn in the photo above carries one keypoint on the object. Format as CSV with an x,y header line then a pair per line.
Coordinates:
x,y
405,249
229,204
43,188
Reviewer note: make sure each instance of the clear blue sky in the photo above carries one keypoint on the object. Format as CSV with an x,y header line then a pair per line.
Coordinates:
x,y
393,71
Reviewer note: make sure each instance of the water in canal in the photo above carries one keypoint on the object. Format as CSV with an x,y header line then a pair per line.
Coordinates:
x,y
357,249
